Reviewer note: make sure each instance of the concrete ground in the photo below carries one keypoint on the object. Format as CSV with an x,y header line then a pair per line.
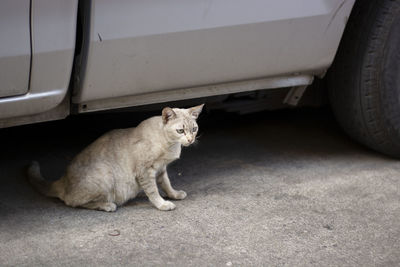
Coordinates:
x,y
281,188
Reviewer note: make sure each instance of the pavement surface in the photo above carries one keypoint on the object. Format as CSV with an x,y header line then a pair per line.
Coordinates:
x,y
283,188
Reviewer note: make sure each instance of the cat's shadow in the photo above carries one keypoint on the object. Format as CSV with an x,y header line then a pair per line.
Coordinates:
x,y
228,146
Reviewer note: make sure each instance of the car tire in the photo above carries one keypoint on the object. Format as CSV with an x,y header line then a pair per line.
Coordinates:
x,y
364,80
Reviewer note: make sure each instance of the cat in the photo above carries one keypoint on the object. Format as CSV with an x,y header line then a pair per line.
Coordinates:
x,y
115,167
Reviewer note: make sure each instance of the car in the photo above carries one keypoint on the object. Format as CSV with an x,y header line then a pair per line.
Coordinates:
x,y
61,58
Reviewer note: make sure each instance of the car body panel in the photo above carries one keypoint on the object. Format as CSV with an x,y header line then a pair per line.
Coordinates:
x,y
15,43
141,52
196,92
141,47
53,46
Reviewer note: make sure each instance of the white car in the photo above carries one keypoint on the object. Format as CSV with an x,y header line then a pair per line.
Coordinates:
x,y
62,57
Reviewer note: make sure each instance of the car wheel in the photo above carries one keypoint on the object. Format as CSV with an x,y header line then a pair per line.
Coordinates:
x,y
364,81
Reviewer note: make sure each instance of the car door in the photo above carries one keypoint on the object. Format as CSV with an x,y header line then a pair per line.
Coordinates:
x,y
36,56
138,48
15,47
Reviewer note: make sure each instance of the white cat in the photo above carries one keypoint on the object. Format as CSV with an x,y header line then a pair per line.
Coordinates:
x,y
115,167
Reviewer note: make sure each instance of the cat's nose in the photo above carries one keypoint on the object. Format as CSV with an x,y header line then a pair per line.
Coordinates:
x,y
190,140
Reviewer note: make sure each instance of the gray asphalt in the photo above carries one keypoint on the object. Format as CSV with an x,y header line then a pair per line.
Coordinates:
x,y
281,188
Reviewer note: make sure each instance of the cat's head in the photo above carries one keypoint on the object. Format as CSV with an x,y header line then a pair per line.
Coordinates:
x,y
180,125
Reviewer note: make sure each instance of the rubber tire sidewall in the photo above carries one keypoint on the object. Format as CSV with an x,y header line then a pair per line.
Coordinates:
x,y
363,82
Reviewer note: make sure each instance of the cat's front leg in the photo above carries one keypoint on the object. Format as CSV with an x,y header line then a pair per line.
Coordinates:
x,y
165,183
149,185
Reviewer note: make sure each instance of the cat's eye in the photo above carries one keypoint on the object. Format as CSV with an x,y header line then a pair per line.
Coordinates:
x,y
180,131
194,129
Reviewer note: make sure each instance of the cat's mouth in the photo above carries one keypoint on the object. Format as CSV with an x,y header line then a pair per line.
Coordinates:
x,y
188,143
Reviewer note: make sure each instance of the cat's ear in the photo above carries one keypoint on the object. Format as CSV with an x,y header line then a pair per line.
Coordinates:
x,y
168,114
195,111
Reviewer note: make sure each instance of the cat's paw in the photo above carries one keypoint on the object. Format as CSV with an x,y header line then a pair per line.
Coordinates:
x,y
180,195
167,205
109,207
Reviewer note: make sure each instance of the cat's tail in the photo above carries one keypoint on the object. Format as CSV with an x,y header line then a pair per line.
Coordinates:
x,y
39,183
